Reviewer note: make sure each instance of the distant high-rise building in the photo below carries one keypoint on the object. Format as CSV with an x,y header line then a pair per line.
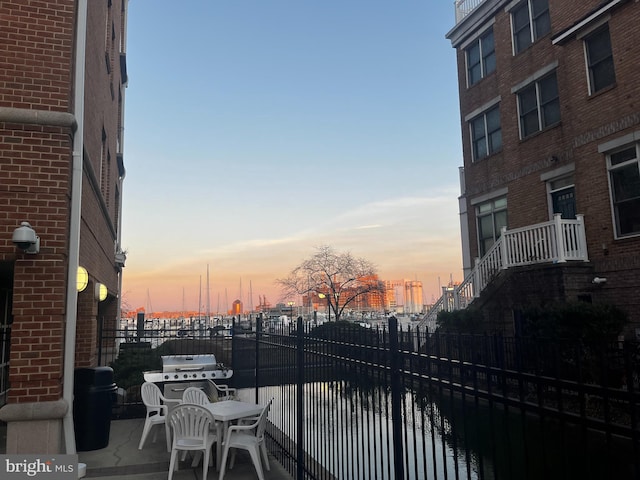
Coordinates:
x,y
392,302
236,308
404,296
413,301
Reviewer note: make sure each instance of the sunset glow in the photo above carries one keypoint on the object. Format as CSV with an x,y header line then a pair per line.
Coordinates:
x,y
279,127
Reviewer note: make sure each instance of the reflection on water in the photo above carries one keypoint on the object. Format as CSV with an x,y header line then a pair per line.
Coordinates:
x,y
508,443
348,431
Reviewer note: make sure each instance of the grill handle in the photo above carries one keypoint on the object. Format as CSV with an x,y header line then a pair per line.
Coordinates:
x,y
189,369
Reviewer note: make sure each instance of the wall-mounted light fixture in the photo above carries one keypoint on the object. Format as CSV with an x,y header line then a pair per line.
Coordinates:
x,y
25,238
82,279
599,280
101,292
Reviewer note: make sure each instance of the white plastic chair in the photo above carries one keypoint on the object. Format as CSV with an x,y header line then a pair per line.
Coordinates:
x,y
157,410
191,428
221,392
195,395
248,437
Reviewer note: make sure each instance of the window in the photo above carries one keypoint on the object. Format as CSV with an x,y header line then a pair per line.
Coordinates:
x,y
599,60
491,217
624,184
562,194
107,38
530,21
539,105
481,58
486,134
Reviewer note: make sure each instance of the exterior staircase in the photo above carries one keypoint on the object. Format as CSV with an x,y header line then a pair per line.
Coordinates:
x,y
557,241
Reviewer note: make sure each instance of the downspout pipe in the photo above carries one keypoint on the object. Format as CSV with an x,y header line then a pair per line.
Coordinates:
x,y
74,228
122,176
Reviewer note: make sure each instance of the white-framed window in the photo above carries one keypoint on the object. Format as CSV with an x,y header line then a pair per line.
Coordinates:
x,y
599,58
480,57
486,133
538,105
624,186
491,216
530,20
562,196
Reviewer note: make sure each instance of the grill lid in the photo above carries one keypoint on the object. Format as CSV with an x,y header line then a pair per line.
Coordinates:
x,y
188,363
180,368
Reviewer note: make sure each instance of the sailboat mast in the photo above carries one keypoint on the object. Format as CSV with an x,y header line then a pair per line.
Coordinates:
x,y
208,299
200,299
149,307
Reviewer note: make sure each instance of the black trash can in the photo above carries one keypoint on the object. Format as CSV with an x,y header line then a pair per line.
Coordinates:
x,y
94,393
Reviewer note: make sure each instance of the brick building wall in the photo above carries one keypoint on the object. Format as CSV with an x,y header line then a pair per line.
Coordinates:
x,y
36,69
522,167
37,128
34,187
520,288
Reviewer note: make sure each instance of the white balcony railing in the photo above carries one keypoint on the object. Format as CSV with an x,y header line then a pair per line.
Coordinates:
x,y
465,7
556,241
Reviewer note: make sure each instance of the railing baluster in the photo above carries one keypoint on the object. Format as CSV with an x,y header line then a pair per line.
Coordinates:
x,y
465,7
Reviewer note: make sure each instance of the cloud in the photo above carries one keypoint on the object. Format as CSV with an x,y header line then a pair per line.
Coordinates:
x,y
404,236
368,227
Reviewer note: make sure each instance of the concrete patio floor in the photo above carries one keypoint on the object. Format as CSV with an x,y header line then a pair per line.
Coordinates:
x,y
121,459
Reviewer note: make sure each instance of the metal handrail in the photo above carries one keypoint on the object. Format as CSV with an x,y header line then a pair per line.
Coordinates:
x,y
465,7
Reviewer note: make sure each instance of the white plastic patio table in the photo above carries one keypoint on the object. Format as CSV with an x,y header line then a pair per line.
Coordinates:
x,y
226,411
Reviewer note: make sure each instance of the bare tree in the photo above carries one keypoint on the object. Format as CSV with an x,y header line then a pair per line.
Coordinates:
x,y
338,277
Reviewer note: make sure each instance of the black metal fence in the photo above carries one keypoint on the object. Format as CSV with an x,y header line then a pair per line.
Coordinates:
x,y
399,403
133,351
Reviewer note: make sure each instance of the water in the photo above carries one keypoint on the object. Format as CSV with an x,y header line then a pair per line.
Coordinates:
x,y
348,432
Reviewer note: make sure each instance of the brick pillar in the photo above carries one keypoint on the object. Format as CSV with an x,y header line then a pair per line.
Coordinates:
x,y
35,406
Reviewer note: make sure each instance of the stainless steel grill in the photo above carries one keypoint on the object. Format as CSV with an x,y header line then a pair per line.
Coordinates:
x,y
182,371
185,368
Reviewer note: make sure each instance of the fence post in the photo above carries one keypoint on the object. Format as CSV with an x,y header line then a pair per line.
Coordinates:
x,y
582,238
257,365
477,287
396,398
300,464
234,343
504,249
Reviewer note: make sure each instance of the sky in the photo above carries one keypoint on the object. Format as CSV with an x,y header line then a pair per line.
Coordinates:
x,y
258,130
